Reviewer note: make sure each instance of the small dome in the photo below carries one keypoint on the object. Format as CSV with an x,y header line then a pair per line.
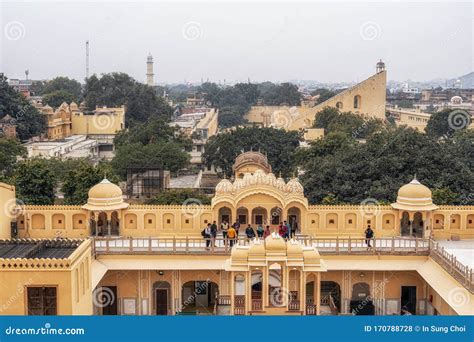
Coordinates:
x,y
73,106
238,184
280,183
105,196
239,253
47,109
295,186
414,196
311,256
294,249
224,186
275,243
247,178
257,249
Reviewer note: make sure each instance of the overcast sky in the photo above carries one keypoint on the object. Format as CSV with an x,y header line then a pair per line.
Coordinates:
x,y
275,41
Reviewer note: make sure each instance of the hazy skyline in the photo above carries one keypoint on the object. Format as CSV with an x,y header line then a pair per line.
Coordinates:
x,y
275,41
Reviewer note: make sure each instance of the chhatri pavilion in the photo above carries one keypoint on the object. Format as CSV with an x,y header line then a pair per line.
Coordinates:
x,y
110,257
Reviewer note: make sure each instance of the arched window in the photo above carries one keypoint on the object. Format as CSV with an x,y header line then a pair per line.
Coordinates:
x,y
339,105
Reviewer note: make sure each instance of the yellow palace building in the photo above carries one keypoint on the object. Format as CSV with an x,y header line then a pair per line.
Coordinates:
x,y
109,257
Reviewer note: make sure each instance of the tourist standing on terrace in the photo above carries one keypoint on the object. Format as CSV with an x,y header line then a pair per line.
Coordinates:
x,y
267,232
213,234
236,226
288,230
206,234
231,234
294,228
369,234
249,232
225,229
260,231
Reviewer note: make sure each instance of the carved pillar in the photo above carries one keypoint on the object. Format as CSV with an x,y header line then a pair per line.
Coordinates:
x,y
265,285
317,286
302,290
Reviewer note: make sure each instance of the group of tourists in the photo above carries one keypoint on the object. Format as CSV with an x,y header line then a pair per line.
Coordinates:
x,y
230,233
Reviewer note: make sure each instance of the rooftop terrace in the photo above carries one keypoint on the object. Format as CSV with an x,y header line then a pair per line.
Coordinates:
x,y
31,249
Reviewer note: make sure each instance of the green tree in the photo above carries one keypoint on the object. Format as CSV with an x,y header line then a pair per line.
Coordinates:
x,y
181,196
117,89
10,150
78,181
284,93
30,122
324,94
56,98
35,182
444,196
279,145
447,122
165,155
64,85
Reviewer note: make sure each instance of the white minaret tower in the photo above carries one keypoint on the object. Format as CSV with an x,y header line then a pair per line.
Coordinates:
x,y
149,71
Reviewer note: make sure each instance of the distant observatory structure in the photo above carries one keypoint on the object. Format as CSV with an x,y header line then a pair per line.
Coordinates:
x,y
149,71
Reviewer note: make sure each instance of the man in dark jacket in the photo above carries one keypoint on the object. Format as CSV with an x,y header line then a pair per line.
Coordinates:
x,y
369,234
250,232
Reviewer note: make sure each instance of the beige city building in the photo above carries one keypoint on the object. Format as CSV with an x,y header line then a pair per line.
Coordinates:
x,y
367,98
111,257
71,119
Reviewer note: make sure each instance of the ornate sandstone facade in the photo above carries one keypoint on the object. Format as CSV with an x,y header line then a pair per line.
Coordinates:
x,y
111,257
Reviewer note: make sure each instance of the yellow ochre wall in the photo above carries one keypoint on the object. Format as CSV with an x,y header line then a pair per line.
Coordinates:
x,y
7,204
174,220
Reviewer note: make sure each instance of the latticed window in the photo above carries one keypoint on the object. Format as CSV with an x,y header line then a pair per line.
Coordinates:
x,y
42,301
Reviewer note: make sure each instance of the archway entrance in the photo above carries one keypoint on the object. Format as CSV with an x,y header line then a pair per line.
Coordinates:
x,y
417,225
331,291
259,216
275,291
405,224
361,302
243,215
199,297
294,219
225,215
257,288
114,224
102,224
162,298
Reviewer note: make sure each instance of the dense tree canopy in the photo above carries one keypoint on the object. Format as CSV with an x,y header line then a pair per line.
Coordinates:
x,y
279,145
279,94
117,89
69,89
181,196
358,126
352,172
30,122
152,144
78,181
10,150
57,97
446,122
35,182
324,94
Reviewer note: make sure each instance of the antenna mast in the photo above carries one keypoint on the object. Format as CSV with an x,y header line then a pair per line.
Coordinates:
x,y
87,59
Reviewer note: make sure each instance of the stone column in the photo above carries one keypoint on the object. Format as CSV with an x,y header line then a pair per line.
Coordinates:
x,y
302,290
232,292
265,284
317,286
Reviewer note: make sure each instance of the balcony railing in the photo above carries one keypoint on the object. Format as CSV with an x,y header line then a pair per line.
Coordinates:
x,y
325,246
239,305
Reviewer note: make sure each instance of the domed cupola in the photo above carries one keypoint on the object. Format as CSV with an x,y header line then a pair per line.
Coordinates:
x,y
259,177
247,179
224,186
414,196
280,184
105,196
294,186
238,184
